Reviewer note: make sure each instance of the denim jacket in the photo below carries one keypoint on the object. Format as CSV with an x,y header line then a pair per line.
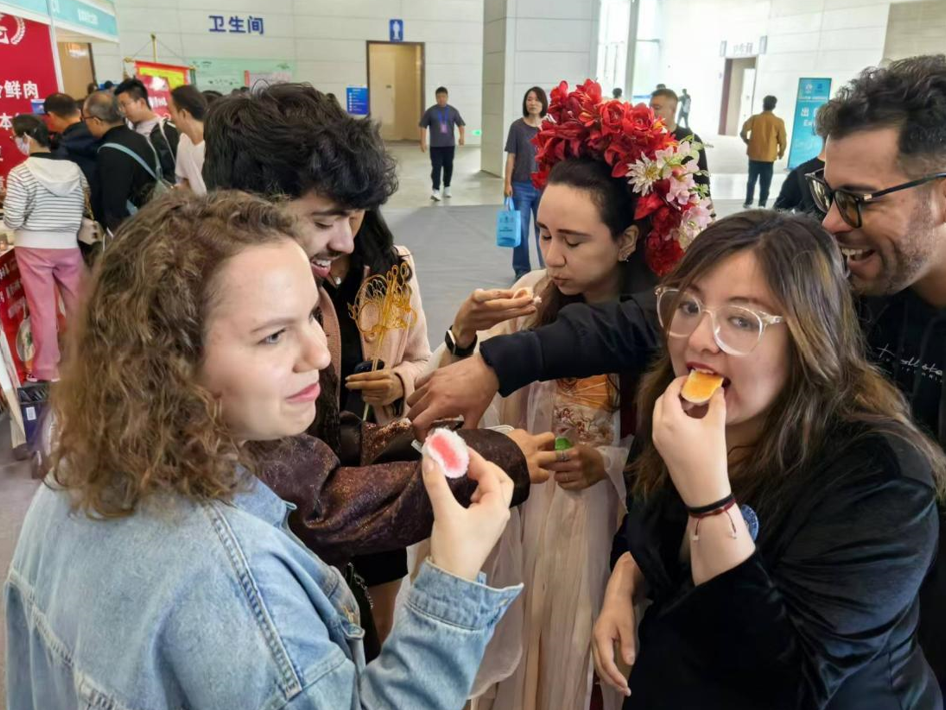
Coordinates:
x,y
189,605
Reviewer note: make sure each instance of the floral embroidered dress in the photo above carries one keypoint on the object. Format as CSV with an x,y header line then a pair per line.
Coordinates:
x,y
558,543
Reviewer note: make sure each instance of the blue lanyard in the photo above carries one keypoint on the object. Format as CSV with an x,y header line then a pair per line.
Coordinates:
x,y
444,114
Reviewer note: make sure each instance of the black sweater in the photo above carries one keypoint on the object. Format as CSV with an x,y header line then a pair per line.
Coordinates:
x,y
905,339
823,615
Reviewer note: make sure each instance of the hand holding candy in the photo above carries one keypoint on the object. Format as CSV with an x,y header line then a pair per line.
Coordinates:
x,y
693,449
462,538
485,309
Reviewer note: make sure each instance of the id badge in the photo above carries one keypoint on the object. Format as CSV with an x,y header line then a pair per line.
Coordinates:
x,y
444,128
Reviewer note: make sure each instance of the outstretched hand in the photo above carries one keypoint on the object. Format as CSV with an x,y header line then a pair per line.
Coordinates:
x,y
463,389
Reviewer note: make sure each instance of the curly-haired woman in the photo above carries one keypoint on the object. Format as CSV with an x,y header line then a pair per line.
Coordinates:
x,y
155,569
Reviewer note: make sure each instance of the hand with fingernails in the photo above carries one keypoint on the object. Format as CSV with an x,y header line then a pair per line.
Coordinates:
x,y
539,450
465,389
693,447
379,388
462,538
616,625
487,308
578,468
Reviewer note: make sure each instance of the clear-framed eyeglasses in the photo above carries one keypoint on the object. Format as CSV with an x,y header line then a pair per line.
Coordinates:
x,y
737,330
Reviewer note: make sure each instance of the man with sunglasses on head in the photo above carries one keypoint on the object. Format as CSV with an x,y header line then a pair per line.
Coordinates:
x,y
884,193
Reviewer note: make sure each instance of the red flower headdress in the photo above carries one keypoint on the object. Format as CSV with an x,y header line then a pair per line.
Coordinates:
x,y
638,147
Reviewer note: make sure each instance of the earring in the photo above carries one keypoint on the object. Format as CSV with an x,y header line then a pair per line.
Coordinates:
x,y
625,258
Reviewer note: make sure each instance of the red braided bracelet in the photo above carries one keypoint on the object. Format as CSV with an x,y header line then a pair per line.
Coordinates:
x,y
717,511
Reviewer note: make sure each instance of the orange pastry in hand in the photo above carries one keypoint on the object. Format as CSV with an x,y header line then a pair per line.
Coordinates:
x,y
701,386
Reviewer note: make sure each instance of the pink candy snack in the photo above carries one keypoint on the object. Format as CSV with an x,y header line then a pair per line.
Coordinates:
x,y
449,450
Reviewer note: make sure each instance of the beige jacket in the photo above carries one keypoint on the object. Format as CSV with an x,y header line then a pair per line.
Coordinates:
x,y
405,351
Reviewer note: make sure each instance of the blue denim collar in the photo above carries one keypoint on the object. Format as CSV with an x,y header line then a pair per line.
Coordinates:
x,y
260,500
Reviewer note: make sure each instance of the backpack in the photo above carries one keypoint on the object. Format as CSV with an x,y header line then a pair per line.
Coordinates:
x,y
161,185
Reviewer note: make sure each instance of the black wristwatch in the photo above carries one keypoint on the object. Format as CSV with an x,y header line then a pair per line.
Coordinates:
x,y
455,349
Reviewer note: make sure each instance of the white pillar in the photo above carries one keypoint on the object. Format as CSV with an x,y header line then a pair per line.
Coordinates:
x,y
530,43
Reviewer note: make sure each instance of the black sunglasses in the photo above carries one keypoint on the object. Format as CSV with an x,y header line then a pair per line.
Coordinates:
x,y
850,203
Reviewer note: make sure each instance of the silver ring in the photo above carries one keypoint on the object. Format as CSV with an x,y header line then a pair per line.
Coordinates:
x,y
563,457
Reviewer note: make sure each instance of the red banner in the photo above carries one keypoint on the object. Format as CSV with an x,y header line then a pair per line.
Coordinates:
x,y
159,93
13,312
28,74
160,80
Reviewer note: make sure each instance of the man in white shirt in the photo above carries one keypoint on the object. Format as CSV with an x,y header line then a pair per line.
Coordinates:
x,y
188,107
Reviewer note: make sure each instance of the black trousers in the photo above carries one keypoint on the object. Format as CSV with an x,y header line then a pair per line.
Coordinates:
x,y
761,171
441,158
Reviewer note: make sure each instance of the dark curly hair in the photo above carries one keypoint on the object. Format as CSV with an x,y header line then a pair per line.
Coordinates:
x,y
910,95
289,139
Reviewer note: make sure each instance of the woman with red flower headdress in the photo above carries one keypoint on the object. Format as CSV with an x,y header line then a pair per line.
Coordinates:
x,y
615,216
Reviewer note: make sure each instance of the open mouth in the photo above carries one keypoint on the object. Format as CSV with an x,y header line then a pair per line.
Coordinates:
x,y
708,371
321,268
857,254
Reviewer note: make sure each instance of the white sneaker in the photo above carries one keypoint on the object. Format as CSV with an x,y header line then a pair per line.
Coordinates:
x,y
435,195
447,193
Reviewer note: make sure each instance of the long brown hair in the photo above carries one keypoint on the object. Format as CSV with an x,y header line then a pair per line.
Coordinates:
x,y
830,381
132,419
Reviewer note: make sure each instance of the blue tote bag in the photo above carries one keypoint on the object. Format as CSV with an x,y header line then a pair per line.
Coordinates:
x,y
508,226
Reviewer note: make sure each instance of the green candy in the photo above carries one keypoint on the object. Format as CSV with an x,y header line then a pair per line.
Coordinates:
x,y
562,443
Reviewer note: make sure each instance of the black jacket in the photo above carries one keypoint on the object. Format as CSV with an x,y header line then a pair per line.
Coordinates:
x,y
165,138
795,195
77,144
121,177
907,338
804,623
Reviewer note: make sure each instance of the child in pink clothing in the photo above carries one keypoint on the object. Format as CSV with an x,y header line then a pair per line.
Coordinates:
x,y
44,205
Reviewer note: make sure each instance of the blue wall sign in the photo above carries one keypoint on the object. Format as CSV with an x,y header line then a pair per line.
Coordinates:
x,y
356,100
806,144
396,30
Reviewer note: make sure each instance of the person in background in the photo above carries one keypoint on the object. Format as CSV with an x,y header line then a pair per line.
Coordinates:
x,y
520,164
795,195
44,205
617,93
664,104
76,143
211,95
198,351
685,101
162,134
764,134
441,119
91,88
127,164
188,107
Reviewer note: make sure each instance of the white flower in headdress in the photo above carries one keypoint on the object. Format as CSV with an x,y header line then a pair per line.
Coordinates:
x,y
645,172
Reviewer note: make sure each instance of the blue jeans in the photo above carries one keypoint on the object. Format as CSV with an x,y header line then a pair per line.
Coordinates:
x,y
761,171
526,200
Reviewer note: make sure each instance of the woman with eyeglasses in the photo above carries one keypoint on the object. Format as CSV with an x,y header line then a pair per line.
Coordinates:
x,y
782,531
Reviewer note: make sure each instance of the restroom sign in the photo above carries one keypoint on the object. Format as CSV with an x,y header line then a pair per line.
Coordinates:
x,y
396,30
